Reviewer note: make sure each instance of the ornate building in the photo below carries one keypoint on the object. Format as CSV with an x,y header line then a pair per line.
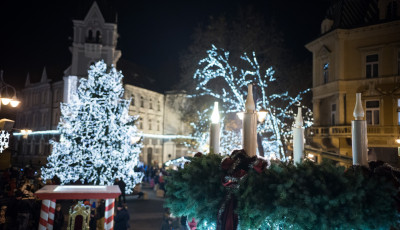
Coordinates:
x,y
358,51
93,39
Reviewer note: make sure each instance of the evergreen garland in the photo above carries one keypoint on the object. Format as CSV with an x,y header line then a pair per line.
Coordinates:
x,y
196,190
287,196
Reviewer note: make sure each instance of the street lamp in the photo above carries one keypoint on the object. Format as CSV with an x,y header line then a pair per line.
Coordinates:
x,y
5,94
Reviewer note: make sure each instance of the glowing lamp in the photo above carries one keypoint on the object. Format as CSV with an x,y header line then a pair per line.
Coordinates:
x,y
14,103
310,155
5,101
240,115
261,115
398,140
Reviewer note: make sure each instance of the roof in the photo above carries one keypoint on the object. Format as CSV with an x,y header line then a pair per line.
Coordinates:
x,y
347,14
66,192
107,9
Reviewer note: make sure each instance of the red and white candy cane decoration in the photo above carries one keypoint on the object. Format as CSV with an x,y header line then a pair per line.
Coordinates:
x,y
52,209
109,214
44,215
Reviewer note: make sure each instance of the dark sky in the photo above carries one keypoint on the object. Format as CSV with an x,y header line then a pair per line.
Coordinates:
x,y
35,34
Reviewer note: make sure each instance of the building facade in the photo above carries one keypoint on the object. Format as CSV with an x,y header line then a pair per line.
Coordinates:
x,y
358,51
94,39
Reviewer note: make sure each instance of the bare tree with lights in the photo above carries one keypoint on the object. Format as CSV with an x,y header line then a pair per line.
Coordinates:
x,y
217,78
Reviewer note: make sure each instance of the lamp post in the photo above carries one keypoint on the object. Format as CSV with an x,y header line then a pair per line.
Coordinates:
x,y
215,130
5,94
5,100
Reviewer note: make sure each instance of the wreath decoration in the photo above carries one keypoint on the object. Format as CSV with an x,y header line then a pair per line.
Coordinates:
x,y
242,192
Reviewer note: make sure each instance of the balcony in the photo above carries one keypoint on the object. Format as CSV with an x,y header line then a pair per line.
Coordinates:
x,y
345,131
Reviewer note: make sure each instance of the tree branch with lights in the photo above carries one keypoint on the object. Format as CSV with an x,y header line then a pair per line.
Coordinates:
x,y
217,78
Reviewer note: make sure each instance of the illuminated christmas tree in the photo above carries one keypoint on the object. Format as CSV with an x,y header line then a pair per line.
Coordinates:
x,y
96,146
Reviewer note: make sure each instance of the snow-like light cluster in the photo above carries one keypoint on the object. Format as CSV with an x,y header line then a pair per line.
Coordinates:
x,y
232,92
95,145
4,139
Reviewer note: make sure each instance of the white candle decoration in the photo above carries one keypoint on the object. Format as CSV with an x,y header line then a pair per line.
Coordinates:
x,y
298,138
250,125
215,130
359,134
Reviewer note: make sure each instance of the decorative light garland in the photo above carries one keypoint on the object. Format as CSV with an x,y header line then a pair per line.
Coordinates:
x,y
160,136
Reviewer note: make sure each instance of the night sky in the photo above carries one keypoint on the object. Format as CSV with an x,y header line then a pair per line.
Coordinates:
x,y
153,34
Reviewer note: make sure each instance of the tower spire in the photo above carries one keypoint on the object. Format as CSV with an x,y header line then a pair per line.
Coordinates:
x,y
28,80
44,75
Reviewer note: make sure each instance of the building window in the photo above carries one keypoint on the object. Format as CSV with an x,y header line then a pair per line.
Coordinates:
x,y
44,118
326,72
140,123
151,104
371,66
398,63
158,125
141,102
149,124
391,12
132,100
372,112
98,37
398,111
159,106
333,114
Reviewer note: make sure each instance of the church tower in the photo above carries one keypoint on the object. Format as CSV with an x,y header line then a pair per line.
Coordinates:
x,y
94,39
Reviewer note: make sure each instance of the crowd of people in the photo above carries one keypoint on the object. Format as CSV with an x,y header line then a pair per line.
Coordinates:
x,y
19,209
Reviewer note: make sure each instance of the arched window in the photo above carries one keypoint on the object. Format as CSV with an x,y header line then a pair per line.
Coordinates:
x,y
158,106
90,36
158,125
326,72
149,124
25,147
42,146
32,148
141,102
132,100
98,37
141,123
151,104
149,155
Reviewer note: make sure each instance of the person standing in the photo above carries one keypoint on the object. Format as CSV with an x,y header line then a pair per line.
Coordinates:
x,y
121,219
23,208
58,218
121,184
100,211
